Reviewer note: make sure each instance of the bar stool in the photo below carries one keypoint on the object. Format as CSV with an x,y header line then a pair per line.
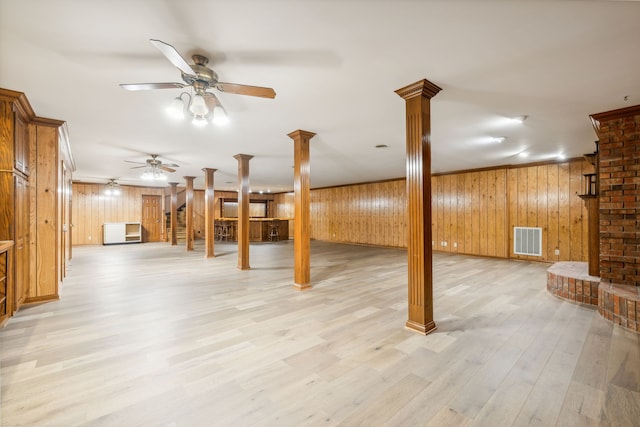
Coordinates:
x,y
225,231
274,232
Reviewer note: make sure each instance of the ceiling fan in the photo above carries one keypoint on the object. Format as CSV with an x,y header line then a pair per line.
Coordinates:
x,y
203,104
155,163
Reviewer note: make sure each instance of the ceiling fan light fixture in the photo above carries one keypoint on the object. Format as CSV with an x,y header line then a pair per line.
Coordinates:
x,y
198,106
220,116
176,108
112,188
147,176
154,174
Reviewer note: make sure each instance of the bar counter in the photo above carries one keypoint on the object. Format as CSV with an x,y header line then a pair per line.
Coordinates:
x,y
260,229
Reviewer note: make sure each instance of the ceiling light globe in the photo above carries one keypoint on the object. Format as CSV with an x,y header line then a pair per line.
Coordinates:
x,y
176,108
220,116
199,121
198,106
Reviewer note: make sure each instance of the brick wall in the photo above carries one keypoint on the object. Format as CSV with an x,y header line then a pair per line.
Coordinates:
x,y
619,173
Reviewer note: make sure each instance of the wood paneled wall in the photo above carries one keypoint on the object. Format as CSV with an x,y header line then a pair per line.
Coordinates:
x,y
469,213
546,196
371,214
472,212
92,208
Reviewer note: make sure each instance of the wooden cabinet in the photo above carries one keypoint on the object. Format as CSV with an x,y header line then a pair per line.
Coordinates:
x,y
35,184
121,232
15,115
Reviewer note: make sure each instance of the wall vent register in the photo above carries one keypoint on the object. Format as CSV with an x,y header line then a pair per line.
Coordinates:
x,y
527,241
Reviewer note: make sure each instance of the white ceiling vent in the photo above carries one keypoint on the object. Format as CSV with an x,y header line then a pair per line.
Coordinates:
x,y
527,241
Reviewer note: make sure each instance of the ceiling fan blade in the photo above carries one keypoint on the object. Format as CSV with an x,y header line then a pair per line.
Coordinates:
x,y
263,92
172,55
211,100
171,165
138,163
166,169
150,86
139,167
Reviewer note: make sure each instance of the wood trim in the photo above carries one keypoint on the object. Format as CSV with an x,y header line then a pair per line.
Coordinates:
x,y
616,114
39,299
20,102
301,221
65,147
243,210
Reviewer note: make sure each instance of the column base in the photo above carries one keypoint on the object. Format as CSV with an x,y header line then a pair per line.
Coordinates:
x,y
420,328
303,287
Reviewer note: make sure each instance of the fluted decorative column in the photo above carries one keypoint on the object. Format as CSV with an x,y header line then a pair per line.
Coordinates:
x,y
174,213
243,210
209,213
301,217
420,263
189,211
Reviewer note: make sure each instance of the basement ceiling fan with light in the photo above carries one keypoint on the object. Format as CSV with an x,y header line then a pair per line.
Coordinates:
x,y
155,168
202,104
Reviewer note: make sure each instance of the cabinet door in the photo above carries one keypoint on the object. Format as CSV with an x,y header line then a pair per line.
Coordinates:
x,y
114,232
21,237
21,145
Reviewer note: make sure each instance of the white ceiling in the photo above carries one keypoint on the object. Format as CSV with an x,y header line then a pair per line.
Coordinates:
x,y
334,65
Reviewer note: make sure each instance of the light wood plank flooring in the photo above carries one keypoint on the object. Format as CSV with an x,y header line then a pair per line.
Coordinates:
x,y
150,335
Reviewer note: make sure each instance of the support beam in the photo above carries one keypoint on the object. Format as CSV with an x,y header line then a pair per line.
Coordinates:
x,y
174,213
302,216
189,212
243,210
420,262
209,213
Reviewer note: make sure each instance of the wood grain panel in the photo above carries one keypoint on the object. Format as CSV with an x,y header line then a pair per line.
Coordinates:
x,y
47,222
545,196
92,208
542,208
535,196
577,212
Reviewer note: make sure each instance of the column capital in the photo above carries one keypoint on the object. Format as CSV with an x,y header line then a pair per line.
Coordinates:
x,y
243,157
420,88
173,184
189,178
209,170
300,134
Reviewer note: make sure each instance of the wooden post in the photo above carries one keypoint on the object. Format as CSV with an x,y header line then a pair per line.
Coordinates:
x,y
189,212
420,263
301,217
174,213
243,210
209,210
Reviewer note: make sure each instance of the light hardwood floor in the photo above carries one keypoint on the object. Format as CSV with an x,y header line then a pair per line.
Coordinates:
x,y
150,335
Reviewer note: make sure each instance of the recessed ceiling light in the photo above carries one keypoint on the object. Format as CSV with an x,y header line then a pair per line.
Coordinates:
x,y
382,146
561,156
519,119
523,154
499,139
